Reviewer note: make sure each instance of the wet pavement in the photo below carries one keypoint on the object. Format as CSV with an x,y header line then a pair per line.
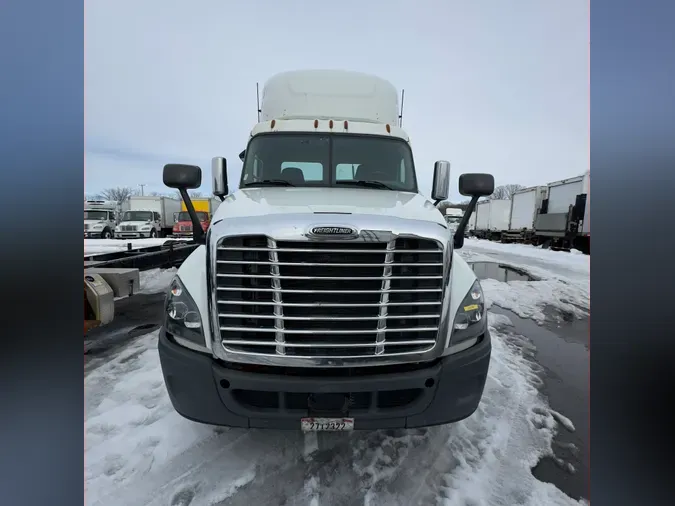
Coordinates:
x,y
134,316
562,349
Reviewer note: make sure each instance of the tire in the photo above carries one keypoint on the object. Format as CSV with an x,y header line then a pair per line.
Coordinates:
x,y
153,233
106,234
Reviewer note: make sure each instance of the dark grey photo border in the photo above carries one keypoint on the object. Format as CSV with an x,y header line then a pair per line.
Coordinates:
x,y
632,162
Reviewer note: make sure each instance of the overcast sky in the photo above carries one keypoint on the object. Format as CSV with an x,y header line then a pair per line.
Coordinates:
x,y
493,86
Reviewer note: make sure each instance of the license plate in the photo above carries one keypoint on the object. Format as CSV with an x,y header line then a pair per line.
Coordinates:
x,y
326,424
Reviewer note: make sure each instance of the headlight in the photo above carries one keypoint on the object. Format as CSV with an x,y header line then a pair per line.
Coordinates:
x,y
146,228
97,227
182,318
469,322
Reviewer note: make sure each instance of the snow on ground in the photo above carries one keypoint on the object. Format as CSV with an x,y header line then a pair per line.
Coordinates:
x,y
156,280
139,451
98,246
563,279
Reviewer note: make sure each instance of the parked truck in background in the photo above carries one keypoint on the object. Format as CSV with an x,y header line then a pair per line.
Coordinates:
x,y
525,207
205,209
492,218
101,217
324,298
151,216
453,216
564,219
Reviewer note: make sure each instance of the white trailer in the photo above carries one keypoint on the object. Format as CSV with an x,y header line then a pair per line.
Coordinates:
x,y
151,216
492,218
561,220
585,229
471,224
525,206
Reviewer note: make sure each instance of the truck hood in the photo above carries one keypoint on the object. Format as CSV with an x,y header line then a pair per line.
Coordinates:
x,y
95,222
276,200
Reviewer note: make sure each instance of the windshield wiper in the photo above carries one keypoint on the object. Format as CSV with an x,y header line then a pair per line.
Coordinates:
x,y
367,184
270,182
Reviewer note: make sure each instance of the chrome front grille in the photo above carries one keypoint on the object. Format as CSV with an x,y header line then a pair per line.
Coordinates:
x,y
186,228
328,299
128,228
86,226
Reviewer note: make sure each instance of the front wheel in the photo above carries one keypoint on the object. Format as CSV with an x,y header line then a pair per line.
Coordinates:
x,y
153,233
106,234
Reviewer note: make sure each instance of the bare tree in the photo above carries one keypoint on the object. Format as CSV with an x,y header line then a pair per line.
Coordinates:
x,y
194,194
505,192
119,194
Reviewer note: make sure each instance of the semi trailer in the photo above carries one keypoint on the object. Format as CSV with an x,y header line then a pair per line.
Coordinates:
x,y
327,294
525,207
564,219
492,218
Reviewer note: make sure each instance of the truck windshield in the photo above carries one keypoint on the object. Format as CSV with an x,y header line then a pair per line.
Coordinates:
x,y
329,160
185,216
137,216
96,215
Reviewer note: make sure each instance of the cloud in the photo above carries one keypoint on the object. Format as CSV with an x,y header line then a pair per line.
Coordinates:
x,y
491,86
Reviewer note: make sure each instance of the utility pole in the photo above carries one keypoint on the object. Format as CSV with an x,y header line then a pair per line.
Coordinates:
x,y
142,186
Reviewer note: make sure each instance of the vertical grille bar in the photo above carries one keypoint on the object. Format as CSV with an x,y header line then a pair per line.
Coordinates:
x,y
384,298
279,337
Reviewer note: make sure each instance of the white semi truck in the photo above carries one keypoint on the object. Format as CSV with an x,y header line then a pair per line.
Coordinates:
x,y
101,217
326,294
453,217
151,216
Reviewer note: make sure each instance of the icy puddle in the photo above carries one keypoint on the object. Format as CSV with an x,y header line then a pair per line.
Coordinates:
x,y
500,272
562,350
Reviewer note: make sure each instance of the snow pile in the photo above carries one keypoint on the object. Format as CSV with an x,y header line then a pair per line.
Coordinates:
x,y
99,246
563,280
156,280
573,266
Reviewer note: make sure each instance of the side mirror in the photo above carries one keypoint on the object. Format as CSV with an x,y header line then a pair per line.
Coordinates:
x,y
475,186
480,185
179,176
184,178
242,155
219,176
441,185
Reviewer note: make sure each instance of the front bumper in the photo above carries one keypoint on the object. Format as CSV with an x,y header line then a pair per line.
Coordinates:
x,y
206,390
132,235
93,235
